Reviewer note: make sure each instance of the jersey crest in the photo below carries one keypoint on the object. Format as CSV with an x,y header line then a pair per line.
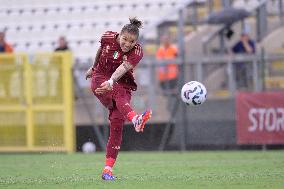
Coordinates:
x,y
116,55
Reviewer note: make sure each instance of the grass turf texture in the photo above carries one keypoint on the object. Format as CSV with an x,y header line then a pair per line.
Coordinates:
x,y
214,169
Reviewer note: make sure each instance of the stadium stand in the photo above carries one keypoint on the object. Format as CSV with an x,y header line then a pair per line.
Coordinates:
x,y
34,26
206,40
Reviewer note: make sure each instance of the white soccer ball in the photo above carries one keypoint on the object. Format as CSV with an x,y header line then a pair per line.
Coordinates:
x,y
88,147
193,93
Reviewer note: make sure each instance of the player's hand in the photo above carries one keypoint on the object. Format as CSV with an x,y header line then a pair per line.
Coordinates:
x,y
89,73
105,86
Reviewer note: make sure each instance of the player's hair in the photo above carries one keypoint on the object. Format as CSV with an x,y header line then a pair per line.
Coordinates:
x,y
133,27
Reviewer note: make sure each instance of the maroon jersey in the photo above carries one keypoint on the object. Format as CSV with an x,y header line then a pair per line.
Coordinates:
x,y
112,56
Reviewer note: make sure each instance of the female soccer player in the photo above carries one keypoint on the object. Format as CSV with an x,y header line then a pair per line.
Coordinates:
x,y
113,82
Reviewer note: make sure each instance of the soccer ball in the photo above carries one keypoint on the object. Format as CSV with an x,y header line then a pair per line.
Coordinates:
x,y
88,147
193,93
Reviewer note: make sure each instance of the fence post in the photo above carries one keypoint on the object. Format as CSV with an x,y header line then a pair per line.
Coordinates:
x,y
183,124
231,76
29,100
262,70
68,102
255,76
281,12
261,22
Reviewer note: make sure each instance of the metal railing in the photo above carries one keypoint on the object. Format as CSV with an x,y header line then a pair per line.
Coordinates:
x,y
211,70
265,72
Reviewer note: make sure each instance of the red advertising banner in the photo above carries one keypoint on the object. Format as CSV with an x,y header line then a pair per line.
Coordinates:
x,y
260,118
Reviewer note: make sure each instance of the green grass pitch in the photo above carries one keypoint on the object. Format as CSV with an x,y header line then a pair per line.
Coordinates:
x,y
146,170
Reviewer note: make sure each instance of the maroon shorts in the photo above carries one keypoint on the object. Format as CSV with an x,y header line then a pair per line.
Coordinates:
x,y
113,99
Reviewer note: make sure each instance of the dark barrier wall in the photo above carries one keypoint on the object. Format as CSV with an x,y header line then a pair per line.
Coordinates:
x,y
211,125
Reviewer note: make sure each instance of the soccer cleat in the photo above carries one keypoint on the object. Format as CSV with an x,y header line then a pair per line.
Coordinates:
x,y
141,120
107,175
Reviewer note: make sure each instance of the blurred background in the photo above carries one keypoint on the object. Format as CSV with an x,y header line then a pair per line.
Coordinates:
x,y
234,47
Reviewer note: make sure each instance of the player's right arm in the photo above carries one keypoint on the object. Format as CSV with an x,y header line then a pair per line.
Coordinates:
x,y
127,64
91,70
117,74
